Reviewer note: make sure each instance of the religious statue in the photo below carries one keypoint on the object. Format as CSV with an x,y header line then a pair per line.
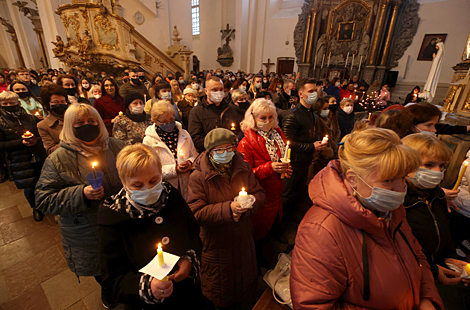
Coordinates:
x,y
433,77
59,46
224,53
321,48
176,33
364,47
466,53
85,43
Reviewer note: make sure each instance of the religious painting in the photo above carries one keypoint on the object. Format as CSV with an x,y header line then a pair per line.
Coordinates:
x,y
346,31
428,47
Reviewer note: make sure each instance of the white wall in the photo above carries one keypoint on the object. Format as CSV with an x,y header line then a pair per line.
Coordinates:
x,y
437,16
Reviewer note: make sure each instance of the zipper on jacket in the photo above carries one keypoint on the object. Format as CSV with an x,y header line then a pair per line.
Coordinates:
x,y
429,205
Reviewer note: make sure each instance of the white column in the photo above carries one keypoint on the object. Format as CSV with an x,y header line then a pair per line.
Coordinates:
x,y
50,29
7,47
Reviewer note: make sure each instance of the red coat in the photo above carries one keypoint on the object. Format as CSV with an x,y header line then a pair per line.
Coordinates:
x,y
109,109
253,148
327,263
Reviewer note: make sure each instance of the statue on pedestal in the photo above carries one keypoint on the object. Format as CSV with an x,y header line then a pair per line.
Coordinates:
x,y
224,53
433,77
58,50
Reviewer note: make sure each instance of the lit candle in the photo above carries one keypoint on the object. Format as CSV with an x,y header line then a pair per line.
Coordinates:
x,y
323,61
37,113
325,139
27,135
120,113
287,150
288,153
369,117
180,156
329,57
93,165
462,172
467,269
346,63
145,98
242,196
233,126
161,260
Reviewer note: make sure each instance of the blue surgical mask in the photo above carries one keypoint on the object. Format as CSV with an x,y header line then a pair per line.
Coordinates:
x,y
146,197
426,132
426,178
223,158
312,98
325,113
168,127
381,199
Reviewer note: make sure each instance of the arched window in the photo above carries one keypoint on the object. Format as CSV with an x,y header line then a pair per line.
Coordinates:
x,y
195,16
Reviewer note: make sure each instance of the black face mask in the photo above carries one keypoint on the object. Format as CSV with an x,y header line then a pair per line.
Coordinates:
x,y
244,105
87,132
125,80
135,81
170,78
333,107
59,109
11,108
141,77
23,94
71,91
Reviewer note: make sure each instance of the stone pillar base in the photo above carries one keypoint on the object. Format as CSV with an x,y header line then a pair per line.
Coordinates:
x,y
369,72
304,69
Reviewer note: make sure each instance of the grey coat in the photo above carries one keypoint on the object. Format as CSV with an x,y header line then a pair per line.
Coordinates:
x,y
59,191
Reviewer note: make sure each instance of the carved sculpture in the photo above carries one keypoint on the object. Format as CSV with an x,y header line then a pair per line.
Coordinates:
x,y
300,30
85,43
321,48
364,47
107,35
406,28
58,50
224,53
22,8
8,27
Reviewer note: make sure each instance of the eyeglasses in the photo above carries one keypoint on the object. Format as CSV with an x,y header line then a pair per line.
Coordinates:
x,y
58,102
221,151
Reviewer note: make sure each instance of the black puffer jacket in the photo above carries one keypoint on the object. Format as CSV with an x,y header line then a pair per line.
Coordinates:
x,y
24,162
301,127
430,224
204,117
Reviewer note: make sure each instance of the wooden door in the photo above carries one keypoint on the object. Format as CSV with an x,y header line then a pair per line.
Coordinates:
x,y
285,66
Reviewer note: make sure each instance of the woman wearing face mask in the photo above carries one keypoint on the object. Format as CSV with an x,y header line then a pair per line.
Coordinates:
x,y
84,88
263,145
228,262
256,86
130,127
148,211
198,90
54,98
354,248
346,117
63,189
177,95
110,104
240,103
426,209
334,89
94,93
276,88
241,84
28,100
173,144
23,157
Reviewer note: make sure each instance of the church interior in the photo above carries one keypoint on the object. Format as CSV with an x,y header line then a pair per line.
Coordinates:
x,y
387,47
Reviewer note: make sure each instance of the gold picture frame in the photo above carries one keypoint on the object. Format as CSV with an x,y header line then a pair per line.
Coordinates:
x,y
346,31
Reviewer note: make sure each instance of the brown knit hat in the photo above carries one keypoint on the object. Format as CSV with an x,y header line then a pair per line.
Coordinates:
x,y
219,136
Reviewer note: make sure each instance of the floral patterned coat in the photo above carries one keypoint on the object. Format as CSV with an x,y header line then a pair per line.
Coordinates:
x,y
128,131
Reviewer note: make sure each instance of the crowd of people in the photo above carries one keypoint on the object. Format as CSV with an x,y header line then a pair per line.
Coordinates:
x,y
171,156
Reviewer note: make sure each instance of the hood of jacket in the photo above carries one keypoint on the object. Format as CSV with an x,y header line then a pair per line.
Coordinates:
x,y
331,192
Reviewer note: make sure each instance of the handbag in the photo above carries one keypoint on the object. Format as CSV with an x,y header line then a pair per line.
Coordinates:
x,y
278,280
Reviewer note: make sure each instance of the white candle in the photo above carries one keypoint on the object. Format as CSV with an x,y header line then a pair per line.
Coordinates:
x,y
346,63
323,61
180,157
325,139
329,57
242,196
287,150
145,98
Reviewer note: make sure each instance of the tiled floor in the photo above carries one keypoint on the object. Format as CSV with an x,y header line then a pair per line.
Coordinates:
x,y
33,271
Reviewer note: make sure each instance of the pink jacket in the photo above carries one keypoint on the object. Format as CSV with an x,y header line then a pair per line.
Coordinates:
x,y
327,263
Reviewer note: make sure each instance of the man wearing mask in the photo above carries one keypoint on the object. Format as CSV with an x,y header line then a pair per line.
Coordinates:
x,y
144,79
218,73
134,84
212,112
169,77
69,82
163,92
124,79
301,128
25,77
287,99
334,89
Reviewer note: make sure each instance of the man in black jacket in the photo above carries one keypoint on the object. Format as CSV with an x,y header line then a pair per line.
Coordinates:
x,y
287,97
301,130
212,112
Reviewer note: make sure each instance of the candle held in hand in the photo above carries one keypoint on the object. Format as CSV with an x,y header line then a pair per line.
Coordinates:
x,y
325,139
242,196
287,153
161,260
37,113
120,113
27,135
93,165
180,156
462,173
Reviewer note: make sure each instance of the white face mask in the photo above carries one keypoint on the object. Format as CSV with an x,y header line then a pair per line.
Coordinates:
x,y
265,81
146,197
166,96
194,86
426,178
338,84
348,110
382,199
258,85
325,113
311,98
243,88
217,96
265,126
85,85
97,96
137,110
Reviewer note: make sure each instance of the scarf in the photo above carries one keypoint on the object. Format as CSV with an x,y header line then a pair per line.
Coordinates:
x,y
272,138
169,138
90,150
224,170
139,118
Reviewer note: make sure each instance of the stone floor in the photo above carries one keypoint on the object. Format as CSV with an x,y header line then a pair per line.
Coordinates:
x,y
33,271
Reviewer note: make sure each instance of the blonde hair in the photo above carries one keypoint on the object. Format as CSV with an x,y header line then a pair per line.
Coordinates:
x,y
237,94
93,88
72,114
428,146
175,88
258,106
8,95
159,108
376,150
136,159
344,101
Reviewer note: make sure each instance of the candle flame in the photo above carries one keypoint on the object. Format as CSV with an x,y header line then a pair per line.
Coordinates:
x,y
326,136
159,246
37,113
233,124
465,163
288,142
27,133
243,189
94,164
181,152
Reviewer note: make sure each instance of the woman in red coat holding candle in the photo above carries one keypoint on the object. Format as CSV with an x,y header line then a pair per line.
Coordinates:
x,y
263,147
110,104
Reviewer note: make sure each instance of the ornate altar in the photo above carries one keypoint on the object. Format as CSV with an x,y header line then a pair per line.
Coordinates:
x,y
98,39
353,37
